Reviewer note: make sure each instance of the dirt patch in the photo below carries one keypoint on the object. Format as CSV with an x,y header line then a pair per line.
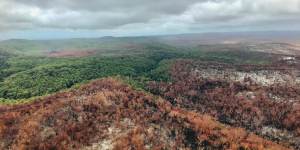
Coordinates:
x,y
70,53
276,48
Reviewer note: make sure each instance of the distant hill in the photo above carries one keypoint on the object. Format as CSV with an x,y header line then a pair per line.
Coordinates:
x,y
233,38
39,47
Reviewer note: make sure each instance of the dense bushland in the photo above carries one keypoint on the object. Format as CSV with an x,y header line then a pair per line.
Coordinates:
x,y
51,78
29,76
25,76
3,63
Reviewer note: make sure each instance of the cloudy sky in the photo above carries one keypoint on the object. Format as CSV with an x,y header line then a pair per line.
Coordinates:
x,y
43,19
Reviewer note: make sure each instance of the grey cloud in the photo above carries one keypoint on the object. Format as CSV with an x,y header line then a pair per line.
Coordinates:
x,y
158,6
92,14
147,15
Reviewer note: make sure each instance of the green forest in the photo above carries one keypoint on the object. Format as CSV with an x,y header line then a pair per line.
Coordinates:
x,y
27,74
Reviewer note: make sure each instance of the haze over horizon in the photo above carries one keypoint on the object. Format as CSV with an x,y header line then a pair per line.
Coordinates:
x,y
35,19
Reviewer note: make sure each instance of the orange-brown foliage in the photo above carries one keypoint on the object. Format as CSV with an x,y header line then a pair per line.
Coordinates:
x,y
79,118
225,101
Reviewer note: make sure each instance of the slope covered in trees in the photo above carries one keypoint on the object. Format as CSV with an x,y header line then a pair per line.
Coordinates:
x,y
24,76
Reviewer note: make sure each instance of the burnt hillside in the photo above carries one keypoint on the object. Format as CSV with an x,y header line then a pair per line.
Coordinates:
x,y
261,99
107,114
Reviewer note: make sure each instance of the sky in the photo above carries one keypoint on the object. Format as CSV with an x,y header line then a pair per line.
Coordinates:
x,y
51,19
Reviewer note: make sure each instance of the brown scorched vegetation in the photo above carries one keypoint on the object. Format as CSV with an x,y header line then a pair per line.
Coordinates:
x,y
107,114
271,110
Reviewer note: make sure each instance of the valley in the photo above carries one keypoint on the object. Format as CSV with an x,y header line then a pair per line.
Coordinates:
x,y
157,92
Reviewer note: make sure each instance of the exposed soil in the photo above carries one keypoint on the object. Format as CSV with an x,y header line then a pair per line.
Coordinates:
x,y
284,71
276,48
